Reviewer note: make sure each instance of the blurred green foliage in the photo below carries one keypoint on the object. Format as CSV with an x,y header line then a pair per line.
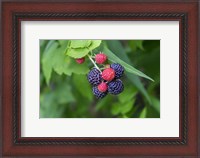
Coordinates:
x,y
66,93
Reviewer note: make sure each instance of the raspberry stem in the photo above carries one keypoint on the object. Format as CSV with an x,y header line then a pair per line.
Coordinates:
x,y
94,63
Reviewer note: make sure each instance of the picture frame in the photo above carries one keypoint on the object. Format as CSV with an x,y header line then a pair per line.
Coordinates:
x,y
187,144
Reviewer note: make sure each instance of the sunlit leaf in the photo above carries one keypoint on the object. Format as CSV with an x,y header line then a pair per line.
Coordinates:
x,y
80,48
77,52
80,43
94,44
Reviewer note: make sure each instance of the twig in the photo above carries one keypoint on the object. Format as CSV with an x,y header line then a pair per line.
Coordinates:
x,y
94,63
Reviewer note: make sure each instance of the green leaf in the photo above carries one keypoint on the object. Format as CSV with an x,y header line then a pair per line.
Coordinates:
x,y
103,103
47,57
80,48
80,43
49,44
156,103
153,85
136,81
72,67
118,49
54,58
63,64
127,106
143,113
43,43
82,85
113,58
63,94
127,95
124,116
48,109
122,108
150,60
94,44
77,52
59,59
139,44
63,42
54,101
152,112
134,44
116,108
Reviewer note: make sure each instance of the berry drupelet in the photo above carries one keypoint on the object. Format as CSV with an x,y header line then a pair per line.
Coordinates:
x,y
102,87
115,87
98,94
100,58
119,70
108,74
94,77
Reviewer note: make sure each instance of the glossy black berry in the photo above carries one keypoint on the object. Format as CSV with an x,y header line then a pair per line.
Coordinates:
x,y
94,77
115,87
98,94
119,70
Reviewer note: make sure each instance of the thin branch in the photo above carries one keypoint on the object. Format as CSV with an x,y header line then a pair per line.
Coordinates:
x,y
94,63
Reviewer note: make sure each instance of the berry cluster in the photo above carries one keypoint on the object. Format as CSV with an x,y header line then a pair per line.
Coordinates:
x,y
105,80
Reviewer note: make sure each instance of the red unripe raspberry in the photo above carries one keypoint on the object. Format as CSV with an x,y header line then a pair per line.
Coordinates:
x,y
100,58
102,87
108,74
80,60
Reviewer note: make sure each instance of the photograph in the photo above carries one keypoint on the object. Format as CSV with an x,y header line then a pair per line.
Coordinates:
x,y
99,78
